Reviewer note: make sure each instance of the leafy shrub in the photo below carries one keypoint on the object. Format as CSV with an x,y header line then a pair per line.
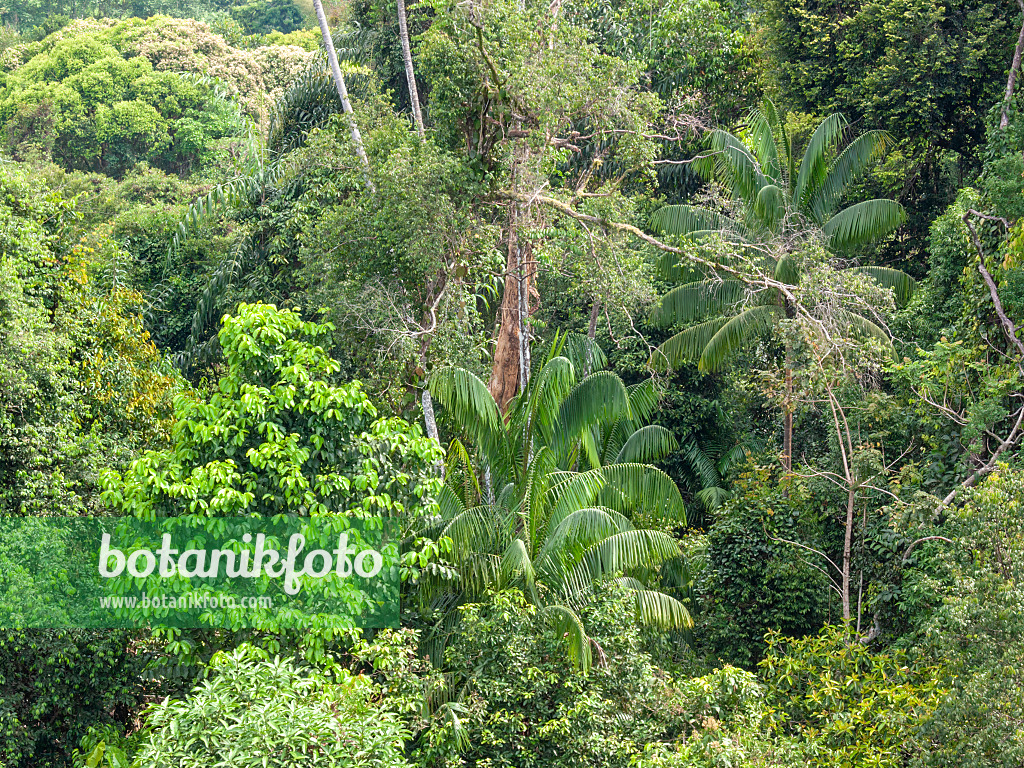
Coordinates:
x,y
257,712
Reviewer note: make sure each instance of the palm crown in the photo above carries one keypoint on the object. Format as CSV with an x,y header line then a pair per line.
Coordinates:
x,y
569,469
778,197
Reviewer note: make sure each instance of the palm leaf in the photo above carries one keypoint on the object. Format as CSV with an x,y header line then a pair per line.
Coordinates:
x,y
601,398
659,610
900,282
817,158
863,222
737,333
697,301
643,487
647,445
626,550
686,219
567,624
854,160
472,406
687,346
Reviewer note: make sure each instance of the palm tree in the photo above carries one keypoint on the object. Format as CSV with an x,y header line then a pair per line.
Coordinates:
x,y
563,473
779,198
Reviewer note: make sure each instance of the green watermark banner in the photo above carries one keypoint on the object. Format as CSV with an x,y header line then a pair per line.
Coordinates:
x,y
194,571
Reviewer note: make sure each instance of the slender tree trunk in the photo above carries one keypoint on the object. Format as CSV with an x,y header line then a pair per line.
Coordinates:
x,y
410,74
787,414
428,415
851,498
1011,81
339,84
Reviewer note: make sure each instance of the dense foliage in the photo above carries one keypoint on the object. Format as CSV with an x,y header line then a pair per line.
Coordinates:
x,y
679,340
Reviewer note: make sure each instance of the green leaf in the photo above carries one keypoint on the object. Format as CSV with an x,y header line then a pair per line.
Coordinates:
x,y
863,222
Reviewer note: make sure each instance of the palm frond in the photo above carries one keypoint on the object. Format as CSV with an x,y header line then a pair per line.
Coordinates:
x,y
568,625
647,445
737,333
643,487
623,551
687,346
656,609
863,222
686,219
817,158
698,301
471,405
601,398
853,161
900,282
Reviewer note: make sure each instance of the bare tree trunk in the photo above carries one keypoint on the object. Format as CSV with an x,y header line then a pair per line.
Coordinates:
x,y
428,415
851,498
339,84
1011,81
410,75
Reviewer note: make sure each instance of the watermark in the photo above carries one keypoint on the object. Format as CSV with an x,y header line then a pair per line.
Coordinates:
x,y
194,571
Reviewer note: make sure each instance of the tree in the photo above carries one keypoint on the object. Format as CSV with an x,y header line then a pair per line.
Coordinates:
x,y
782,200
410,74
540,522
339,84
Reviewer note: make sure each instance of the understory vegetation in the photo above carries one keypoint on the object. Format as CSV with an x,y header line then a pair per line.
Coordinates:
x,y
679,341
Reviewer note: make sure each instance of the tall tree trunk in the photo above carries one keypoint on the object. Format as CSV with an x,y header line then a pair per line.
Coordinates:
x,y
410,74
1011,81
851,498
507,369
339,84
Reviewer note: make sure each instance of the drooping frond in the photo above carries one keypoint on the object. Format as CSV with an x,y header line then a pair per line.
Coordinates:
x,y
712,498
626,550
643,399
459,473
470,403
817,158
516,564
601,398
575,534
853,161
659,610
731,163
770,206
761,136
698,301
900,282
787,270
863,222
687,346
699,462
584,353
642,487
568,625
570,491
687,219
857,325
647,445
782,139
737,333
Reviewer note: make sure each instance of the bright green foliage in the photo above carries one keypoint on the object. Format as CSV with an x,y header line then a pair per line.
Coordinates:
x,y
783,200
83,101
255,712
782,194
80,382
858,706
513,699
277,436
544,522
